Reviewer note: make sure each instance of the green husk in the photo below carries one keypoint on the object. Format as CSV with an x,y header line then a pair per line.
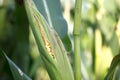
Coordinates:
x,y
49,44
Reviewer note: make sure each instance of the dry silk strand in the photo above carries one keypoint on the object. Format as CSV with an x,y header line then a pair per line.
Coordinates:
x,y
46,42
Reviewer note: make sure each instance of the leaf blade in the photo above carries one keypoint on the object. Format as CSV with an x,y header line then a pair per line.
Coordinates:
x,y
16,72
114,63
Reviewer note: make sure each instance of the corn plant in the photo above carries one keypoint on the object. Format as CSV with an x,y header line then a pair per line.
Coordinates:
x,y
50,32
51,48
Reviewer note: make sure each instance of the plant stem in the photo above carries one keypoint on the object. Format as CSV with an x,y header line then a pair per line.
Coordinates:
x,y
76,34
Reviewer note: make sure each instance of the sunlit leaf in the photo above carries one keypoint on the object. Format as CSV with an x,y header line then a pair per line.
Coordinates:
x,y
118,3
114,44
107,25
110,5
88,8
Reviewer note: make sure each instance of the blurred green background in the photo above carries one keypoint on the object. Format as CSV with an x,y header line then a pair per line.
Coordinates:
x,y
100,38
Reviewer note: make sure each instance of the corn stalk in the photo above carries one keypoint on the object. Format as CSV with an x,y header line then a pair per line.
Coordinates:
x,y
76,34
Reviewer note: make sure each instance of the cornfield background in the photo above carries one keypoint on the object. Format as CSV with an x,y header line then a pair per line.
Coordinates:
x,y
99,38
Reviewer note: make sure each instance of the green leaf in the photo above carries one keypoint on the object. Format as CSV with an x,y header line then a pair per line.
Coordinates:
x,y
88,10
114,63
110,5
51,10
117,73
107,24
16,72
114,44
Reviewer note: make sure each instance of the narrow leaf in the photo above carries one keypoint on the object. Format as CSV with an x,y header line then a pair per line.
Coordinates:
x,y
114,63
16,72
